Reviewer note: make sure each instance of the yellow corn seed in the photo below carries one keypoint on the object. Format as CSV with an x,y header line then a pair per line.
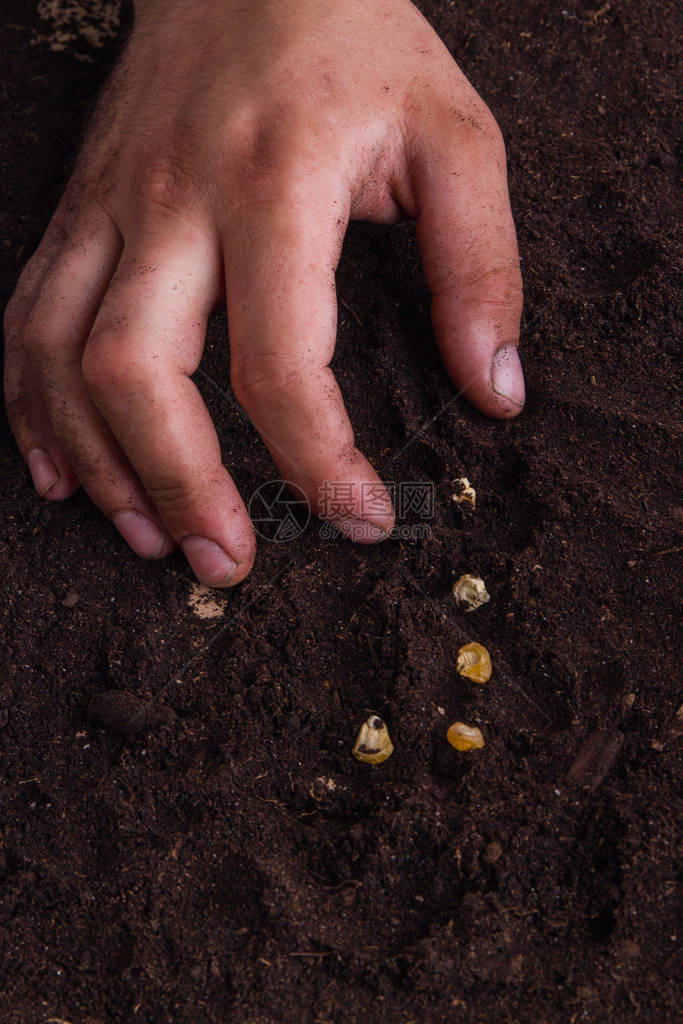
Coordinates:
x,y
464,737
474,662
373,743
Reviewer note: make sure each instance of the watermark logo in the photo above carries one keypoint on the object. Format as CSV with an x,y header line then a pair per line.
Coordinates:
x,y
414,498
279,511
361,532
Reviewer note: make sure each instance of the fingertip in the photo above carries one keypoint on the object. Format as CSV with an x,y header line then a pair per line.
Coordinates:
x,y
43,471
360,508
241,572
146,538
507,381
49,482
63,489
212,565
362,531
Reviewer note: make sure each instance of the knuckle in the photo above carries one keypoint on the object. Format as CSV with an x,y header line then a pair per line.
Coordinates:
x,y
111,362
38,339
475,125
172,496
256,382
242,131
486,278
18,311
491,140
96,368
495,284
103,184
162,181
487,272
26,293
490,128
496,144
275,155
18,404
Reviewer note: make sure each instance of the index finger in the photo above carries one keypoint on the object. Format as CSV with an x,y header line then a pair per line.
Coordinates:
x,y
280,258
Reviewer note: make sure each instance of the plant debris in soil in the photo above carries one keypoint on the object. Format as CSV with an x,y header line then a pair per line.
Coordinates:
x,y
227,858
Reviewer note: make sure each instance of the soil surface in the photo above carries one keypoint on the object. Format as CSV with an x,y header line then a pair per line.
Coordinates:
x,y
225,858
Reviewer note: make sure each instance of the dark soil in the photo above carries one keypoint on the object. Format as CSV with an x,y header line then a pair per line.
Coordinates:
x,y
234,862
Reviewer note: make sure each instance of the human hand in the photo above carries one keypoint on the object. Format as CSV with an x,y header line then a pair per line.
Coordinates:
x,y
226,156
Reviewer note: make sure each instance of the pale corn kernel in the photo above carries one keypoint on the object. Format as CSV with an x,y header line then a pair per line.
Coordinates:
x,y
474,662
466,493
470,592
465,737
373,743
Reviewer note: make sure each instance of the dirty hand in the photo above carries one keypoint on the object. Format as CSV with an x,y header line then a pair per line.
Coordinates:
x,y
227,154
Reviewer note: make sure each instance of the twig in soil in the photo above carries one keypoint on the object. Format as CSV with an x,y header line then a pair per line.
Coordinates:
x,y
353,313
593,18
268,799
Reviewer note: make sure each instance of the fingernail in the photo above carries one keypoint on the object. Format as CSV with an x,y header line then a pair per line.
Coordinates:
x,y
209,562
360,530
43,471
507,378
140,533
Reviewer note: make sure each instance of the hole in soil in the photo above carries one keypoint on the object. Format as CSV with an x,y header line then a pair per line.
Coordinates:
x,y
515,471
601,927
425,461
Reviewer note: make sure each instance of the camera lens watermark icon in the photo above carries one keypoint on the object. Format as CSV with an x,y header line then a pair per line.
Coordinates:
x,y
279,511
